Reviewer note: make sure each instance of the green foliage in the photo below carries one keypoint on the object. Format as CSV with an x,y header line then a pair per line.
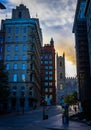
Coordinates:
x,y
71,99
4,88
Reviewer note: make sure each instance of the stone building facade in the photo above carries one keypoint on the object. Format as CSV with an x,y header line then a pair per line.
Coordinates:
x,y
23,41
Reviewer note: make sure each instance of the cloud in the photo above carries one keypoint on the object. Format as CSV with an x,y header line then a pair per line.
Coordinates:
x,y
56,20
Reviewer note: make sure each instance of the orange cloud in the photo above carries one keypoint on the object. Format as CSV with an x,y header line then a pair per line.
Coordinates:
x,y
68,48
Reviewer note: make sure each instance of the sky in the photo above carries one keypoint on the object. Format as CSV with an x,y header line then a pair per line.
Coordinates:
x,y
56,20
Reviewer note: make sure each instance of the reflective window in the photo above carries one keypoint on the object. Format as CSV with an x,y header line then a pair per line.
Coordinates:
x,y
16,57
8,48
9,39
24,57
16,48
0,57
24,47
24,38
8,57
15,77
7,66
15,66
0,49
9,30
46,83
17,30
23,66
16,39
23,77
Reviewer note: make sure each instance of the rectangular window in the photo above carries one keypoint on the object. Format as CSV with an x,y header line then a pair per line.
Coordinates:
x,y
23,77
46,83
8,48
16,39
7,66
8,57
24,38
15,77
15,66
24,47
24,57
23,66
9,39
16,48
16,57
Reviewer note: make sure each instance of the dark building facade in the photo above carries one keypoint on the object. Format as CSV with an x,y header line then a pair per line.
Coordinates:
x,y
82,56
48,89
2,45
23,41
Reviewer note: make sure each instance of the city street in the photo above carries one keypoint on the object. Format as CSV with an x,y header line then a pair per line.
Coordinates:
x,y
19,121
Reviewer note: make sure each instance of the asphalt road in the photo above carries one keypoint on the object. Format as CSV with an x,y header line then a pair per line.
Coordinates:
x,y
20,121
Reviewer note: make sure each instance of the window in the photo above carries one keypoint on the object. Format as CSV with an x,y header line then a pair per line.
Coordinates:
x,y
24,47
15,77
0,57
17,30
24,57
50,78
7,66
46,72
46,78
50,83
46,57
46,62
8,48
24,29
30,91
60,75
46,67
50,67
41,57
20,14
50,57
23,77
46,89
16,57
15,67
8,57
46,83
9,39
0,49
50,90
22,88
50,62
23,66
50,96
60,63
50,72
9,30
24,38
16,39
41,62
16,48
1,40
61,86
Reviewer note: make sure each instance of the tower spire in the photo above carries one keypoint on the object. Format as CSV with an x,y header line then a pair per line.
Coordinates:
x,y
52,42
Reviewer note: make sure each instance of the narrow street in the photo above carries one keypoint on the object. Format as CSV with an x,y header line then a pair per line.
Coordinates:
x,y
19,121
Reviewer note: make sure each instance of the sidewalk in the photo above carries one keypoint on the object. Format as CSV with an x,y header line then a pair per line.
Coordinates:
x,y
55,123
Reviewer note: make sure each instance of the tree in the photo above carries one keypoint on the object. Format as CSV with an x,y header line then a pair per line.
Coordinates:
x,y
71,99
4,88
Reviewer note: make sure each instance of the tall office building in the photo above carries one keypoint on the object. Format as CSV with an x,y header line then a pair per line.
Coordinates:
x,y
48,88
82,55
23,40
